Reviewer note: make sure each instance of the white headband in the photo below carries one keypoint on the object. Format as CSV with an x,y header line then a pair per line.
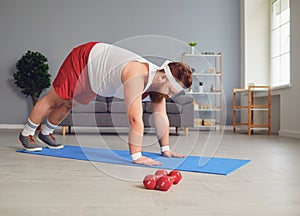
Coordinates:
x,y
170,76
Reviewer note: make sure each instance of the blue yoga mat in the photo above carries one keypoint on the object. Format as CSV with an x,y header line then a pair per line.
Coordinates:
x,y
220,166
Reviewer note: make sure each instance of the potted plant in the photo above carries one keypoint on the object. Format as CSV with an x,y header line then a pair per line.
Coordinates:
x,y
193,44
32,75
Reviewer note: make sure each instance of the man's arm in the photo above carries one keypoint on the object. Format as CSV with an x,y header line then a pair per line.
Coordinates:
x,y
133,89
162,125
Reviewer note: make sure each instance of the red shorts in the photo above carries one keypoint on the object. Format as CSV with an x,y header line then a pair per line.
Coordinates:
x,y
72,80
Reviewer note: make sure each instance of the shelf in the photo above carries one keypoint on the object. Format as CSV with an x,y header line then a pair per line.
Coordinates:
x,y
207,110
211,77
207,74
204,93
251,107
199,54
206,127
254,126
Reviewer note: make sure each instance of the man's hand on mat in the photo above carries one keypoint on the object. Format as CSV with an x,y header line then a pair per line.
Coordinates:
x,y
172,154
147,161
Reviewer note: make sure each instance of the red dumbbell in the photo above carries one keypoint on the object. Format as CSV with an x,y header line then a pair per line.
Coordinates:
x,y
150,181
162,180
176,175
160,173
165,182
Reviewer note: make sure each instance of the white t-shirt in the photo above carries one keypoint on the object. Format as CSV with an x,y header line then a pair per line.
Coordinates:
x,y
105,65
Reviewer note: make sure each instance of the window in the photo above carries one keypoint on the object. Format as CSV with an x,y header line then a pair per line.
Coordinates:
x,y
280,42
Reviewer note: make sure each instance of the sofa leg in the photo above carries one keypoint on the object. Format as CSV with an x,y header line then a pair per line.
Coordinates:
x,y
186,131
69,129
177,130
63,130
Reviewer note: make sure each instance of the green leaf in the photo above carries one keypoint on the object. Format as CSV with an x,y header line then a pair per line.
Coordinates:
x,y
193,44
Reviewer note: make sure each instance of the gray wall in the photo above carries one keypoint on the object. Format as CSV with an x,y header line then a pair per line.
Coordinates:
x,y
54,27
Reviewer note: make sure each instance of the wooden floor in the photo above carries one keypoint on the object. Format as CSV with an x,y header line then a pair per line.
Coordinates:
x,y
41,186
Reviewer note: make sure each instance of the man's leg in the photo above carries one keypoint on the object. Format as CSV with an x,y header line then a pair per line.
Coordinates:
x,y
45,106
56,116
39,112
60,113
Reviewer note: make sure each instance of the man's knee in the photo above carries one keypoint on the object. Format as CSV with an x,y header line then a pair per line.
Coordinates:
x,y
53,99
68,105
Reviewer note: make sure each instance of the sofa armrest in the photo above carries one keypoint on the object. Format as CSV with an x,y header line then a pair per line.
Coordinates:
x,y
181,98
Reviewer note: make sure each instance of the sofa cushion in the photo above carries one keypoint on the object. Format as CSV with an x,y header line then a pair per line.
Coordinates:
x,y
113,99
100,98
171,107
181,99
119,107
115,105
92,107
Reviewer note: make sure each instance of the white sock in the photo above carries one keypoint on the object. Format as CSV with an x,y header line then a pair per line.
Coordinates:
x,y
47,128
29,128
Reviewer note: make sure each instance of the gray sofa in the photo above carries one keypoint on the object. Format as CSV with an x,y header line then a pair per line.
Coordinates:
x,y
111,112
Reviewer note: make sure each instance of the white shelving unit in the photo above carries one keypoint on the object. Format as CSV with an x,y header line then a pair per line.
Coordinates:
x,y
207,69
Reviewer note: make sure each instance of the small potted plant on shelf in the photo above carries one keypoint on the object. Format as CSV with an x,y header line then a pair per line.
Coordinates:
x,y
193,45
32,75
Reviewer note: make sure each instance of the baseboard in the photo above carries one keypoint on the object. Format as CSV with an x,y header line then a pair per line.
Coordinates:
x,y
12,126
208,128
290,134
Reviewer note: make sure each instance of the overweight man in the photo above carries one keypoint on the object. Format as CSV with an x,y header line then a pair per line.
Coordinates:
x,y
103,69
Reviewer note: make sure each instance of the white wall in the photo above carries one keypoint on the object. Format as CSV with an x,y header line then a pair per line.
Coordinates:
x,y
255,43
290,98
54,27
253,50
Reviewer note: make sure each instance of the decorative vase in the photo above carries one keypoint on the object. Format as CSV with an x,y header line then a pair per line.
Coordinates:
x,y
201,89
192,50
192,44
